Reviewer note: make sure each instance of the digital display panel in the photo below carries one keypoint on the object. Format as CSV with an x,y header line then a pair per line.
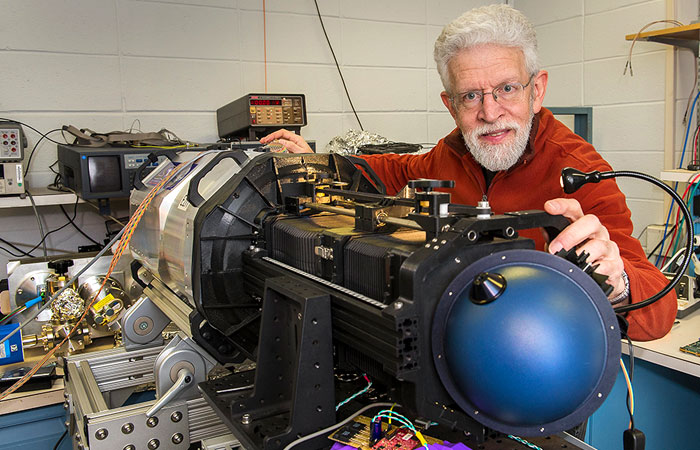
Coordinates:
x,y
265,102
104,174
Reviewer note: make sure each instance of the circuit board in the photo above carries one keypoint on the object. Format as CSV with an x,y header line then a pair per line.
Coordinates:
x,y
356,434
693,348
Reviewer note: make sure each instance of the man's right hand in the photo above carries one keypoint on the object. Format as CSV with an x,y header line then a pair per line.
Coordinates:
x,y
292,142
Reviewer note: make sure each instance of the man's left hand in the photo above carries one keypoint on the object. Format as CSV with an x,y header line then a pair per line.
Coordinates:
x,y
586,233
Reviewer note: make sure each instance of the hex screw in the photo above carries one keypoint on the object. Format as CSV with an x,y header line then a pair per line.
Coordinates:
x,y
153,444
177,438
152,422
176,416
101,434
245,419
127,428
129,447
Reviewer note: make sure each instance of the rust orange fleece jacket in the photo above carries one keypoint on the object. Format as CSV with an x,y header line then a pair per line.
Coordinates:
x,y
528,185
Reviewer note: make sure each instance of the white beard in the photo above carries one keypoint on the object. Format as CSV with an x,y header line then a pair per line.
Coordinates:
x,y
499,156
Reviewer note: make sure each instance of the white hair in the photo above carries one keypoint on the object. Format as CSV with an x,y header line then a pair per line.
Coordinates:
x,y
493,24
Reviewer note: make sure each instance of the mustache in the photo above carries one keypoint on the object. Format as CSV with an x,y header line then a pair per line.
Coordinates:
x,y
490,128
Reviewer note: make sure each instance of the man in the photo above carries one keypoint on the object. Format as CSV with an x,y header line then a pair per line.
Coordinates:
x,y
509,148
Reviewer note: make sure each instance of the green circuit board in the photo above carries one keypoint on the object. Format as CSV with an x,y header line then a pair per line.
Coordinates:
x,y
693,348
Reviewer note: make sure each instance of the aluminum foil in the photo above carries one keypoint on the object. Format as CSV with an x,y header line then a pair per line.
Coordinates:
x,y
348,143
68,306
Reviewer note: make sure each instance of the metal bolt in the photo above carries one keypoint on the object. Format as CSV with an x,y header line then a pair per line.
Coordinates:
x,y
65,395
152,422
398,305
177,438
129,447
20,291
66,423
299,316
77,437
457,260
65,405
143,325
176,416
80,447
245,419
153,444
101,434
127,428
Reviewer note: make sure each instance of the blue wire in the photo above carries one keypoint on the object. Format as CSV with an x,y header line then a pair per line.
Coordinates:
x,y
360,392
675,185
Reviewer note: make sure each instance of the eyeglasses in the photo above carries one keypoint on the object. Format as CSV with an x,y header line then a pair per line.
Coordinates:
x,y
504,94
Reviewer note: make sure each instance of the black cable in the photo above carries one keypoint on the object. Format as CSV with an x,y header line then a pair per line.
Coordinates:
x,y
28,126
661,241
337,65
689,236
31,154
72,222
574,179
75,213
63,436
22,252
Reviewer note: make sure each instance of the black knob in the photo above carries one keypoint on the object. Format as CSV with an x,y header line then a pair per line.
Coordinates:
x,y
487,287
428,185
60,266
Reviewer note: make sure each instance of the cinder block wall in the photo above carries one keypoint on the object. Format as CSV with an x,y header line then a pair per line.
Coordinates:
x,y
582,45
103,64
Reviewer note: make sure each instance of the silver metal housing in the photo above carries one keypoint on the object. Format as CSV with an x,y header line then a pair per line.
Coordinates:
x,y
163,240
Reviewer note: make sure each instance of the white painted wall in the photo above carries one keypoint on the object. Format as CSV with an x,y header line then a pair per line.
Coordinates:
x,y
102,64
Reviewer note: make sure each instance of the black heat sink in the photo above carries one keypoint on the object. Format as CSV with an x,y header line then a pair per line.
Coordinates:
x,y
372,262
365,262
294,239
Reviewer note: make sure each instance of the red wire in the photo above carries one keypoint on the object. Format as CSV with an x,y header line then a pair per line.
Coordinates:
x,y
678,214
265,43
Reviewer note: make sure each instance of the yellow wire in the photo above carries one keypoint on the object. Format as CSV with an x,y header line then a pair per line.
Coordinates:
x,y
629,388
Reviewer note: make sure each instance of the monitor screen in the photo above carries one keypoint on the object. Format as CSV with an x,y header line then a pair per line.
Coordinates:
x,y
104,173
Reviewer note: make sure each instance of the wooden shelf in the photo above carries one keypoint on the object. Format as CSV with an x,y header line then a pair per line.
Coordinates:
x,y
679,175
691,31
686,36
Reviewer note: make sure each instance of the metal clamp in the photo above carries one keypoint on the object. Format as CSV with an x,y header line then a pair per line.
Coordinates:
x,y
184,379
